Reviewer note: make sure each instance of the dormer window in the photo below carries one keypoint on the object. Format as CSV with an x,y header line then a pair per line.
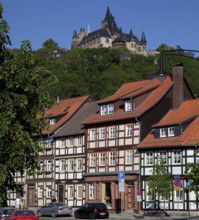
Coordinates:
x,y
107,109
171,132
163,132
52,121
129,106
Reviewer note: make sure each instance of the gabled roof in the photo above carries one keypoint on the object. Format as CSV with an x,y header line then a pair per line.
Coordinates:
x,y
190,137
74,126
157,90
64,109
187,111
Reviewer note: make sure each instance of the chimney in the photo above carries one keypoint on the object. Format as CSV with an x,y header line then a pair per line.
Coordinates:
x,y
178,91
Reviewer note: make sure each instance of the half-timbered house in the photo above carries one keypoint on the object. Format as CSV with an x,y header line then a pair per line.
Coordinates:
x,y
123,121
70,157
175,139
41,188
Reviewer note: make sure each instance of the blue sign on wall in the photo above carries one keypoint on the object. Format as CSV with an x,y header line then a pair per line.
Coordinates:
x,y
121,175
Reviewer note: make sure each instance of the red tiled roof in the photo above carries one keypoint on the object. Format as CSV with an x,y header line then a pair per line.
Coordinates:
x,y
187,110
159,89
65,108
190,136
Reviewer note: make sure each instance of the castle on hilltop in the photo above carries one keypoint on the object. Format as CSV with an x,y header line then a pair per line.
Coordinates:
x,y
109,36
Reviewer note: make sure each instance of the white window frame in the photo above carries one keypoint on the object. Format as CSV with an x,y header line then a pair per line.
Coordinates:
x,y
178,195
111,132
171,131
107,109
163,132
92,160
163,155
92,134
102,159
79,165
62,165
129,159
52,121
129,130
91,191
40,192
149,158
102,133
49,165
63,143
79,141
112,158
70,165
41,165
71,191
177,156
49,141
129,105
48,192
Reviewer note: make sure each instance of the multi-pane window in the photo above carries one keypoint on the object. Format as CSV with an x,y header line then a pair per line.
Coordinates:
x,y
107,109
79,164
112,158
177,157
41,165
63,143
49,165
91,191
48,192
178,195
163,132
92,134
40,192
171,131
128,105
62,165
149,158
49,142
163,155
79,141
71,192
52,121
102,159
102,133
92,160
129,157
128,130
71,142
71,165
111,132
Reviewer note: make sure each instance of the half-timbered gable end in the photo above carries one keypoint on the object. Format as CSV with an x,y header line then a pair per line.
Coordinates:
x,y
41,188
175,139
124,119
70,157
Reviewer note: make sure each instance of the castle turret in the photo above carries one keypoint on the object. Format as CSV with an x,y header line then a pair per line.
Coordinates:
x,y
143,39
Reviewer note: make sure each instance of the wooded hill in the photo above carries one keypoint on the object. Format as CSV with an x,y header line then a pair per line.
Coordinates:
x,y
100,72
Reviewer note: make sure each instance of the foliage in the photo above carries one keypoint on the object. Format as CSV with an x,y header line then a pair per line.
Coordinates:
x,y
160,182
192,174
22,97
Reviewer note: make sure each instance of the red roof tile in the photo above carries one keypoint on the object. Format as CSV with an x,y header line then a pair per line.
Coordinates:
x,y
190,137
65,108
187,110
159,89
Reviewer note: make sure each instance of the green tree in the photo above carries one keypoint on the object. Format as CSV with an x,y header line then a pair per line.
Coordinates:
x,y
160,182
22,98
192,174
50,45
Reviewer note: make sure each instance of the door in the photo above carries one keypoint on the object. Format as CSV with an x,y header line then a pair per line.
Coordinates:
x,y
61,193
130,197
31,197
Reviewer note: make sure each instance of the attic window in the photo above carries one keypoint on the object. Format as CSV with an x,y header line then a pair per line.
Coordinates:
x,y
52,121
107,109
163,132
129,105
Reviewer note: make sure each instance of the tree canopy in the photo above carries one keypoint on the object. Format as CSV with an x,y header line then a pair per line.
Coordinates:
x,y
22,97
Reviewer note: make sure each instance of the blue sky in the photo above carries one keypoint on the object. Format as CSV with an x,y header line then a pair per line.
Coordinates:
x,y
173,22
